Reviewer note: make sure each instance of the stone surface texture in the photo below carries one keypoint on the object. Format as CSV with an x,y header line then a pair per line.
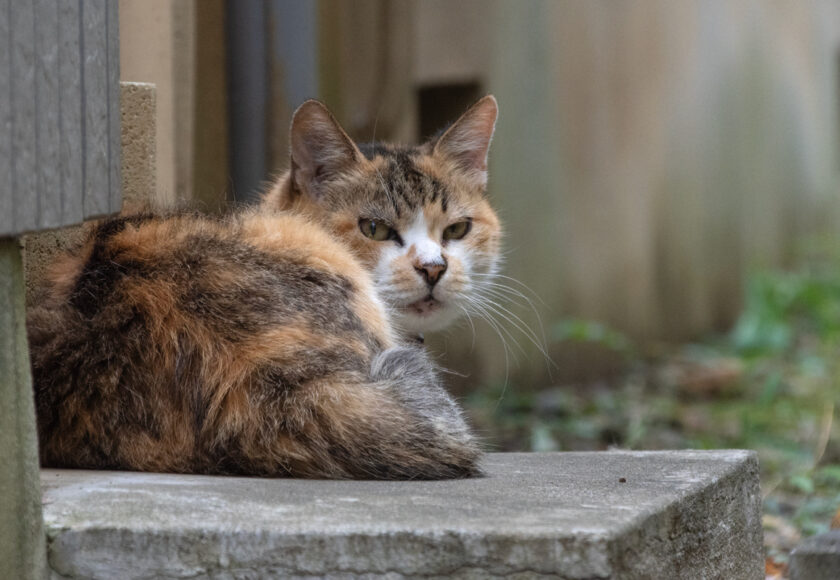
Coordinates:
x,y
138,104
818,558
686,514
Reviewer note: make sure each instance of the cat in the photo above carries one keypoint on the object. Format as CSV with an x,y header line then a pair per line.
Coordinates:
x,y
279,340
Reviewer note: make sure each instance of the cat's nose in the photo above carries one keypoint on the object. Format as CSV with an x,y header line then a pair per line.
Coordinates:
x,y
431,272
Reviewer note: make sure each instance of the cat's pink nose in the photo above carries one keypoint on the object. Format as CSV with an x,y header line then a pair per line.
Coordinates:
x,y
431,272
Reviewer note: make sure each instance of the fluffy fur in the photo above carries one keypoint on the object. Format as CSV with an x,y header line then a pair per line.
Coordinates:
x,y
274,341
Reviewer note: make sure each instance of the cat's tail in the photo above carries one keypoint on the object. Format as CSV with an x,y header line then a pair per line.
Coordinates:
x,y
394,421
433,432
398,424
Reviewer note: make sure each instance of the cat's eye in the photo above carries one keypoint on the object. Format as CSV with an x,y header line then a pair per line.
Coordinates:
x,y
377,230
457,231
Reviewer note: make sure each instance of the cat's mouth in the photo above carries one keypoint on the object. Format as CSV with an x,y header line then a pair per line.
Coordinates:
x,y
427,314
424,307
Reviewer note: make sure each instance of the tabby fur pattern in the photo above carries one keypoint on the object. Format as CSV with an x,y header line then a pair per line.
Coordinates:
x,y
278,340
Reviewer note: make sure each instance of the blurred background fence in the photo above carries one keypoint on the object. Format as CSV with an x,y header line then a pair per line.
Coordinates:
x,y
649,153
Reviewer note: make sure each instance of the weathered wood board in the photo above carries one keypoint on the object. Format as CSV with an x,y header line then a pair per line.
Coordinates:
x,y
59,113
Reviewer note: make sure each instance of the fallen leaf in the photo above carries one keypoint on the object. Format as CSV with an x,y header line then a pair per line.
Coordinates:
x,y
774,570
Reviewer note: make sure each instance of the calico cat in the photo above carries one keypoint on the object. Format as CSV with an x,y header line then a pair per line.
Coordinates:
x,y
280,340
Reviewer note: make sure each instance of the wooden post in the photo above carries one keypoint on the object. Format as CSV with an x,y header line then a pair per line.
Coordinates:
x,y
59,165
22,540
60,110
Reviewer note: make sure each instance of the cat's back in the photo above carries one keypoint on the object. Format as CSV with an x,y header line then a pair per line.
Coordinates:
x,y
243,271
157,318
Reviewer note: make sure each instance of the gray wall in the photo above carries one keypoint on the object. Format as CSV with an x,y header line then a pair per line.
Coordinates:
x,y
59,113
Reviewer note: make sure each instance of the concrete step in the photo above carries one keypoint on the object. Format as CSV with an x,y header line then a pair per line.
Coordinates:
x,y
817,558
668,514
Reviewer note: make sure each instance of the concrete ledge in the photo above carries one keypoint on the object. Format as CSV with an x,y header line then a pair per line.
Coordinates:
x,y
818,558
691,514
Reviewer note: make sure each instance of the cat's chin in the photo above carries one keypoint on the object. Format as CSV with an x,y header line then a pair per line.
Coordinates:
x,y
425,315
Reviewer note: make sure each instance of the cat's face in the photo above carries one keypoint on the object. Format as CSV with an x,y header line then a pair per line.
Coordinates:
x,y
417,217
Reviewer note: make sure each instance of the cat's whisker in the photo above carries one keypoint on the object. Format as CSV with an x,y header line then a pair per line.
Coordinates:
x,y
503,292
492,297
505,288
508,354
498,291
447,371
484,315
493,300
375,123
378,173
515,281
385,187
501,295
522,327
472,326
490,313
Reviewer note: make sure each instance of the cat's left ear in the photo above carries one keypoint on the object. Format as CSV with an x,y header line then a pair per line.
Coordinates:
x,y
467,141
320,148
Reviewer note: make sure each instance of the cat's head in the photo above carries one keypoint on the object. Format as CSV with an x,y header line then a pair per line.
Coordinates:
x,y
417,217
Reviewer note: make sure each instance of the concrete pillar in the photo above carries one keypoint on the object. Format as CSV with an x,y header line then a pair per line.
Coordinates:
x,y
138,107
22,539
157,45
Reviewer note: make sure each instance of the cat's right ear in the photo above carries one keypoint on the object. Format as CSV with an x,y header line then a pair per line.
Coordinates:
x,y
467,140
320,148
